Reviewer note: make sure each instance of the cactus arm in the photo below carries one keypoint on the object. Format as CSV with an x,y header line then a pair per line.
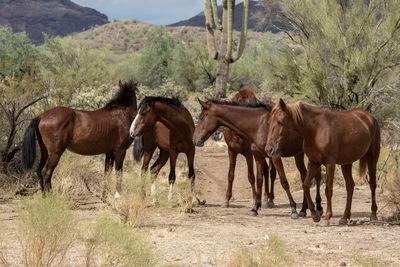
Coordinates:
x,y
230,9
210,31
217,21
243,33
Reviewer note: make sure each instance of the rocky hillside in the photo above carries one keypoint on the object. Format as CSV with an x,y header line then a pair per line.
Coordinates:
x,y
254,9
54,17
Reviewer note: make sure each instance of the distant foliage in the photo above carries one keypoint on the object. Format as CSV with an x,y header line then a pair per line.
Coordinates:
x,y
343,54
167,89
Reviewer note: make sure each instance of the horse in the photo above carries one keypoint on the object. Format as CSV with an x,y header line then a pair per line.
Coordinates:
x,y
238,145
102,131
154,111
251,122
330,138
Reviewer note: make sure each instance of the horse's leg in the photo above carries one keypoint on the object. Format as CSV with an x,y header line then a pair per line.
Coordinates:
x,y
260,160
372,184
192,177
231,176
311,172
43,159
346,170
108,165
119,157
250,173
285,185
155,169
299,160
266,182
318,178
47,171
272,175
173,155
148,151
330,173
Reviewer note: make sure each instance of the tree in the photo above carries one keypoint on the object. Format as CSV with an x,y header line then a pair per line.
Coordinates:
x,y
19,87
341,53
224,55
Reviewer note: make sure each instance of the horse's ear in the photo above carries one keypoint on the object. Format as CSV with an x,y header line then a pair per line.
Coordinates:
x,y
204,104
282,104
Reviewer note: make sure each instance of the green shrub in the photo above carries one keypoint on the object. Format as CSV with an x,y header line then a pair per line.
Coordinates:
x,y
114,244
47,230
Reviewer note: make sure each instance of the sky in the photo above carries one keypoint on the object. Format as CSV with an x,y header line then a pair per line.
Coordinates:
x,y
160,12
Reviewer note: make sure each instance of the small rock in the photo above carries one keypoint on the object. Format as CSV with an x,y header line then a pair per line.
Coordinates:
x,y
343,263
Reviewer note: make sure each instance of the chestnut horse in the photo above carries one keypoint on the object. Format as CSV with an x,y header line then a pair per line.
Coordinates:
x,y
102,131
238,145
250,122
330,138
170,112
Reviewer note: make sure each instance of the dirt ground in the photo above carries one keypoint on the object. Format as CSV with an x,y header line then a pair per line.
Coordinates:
x,y
212,234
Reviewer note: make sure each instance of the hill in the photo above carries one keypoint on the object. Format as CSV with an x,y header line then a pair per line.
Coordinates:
x,y
131,36
254,9
54,17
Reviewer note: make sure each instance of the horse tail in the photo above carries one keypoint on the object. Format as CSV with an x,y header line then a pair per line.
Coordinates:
x,y
138,148
29,144
363,167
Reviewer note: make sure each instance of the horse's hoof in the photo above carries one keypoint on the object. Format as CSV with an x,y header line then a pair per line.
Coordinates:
x,y
225,205
343,221
316,218
294,215
253,213
117,195
302,214
189,210
373,218
326,223
270,205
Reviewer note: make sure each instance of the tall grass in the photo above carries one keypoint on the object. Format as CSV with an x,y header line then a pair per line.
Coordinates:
x,y
273,253
46,230
115,244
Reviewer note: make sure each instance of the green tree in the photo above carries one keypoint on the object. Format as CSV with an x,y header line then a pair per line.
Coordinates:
x,y
154,61
341,53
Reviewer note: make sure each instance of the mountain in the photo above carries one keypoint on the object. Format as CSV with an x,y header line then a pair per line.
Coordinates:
x,y
254,9
54,17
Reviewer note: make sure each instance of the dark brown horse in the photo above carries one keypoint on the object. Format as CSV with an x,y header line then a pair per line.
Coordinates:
x,y
238,145
103,131
330,138
155,112
251,122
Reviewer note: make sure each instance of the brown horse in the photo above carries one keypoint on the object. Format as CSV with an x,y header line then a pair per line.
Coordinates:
x,y
238,145
155,112
250,122
105,130
330,138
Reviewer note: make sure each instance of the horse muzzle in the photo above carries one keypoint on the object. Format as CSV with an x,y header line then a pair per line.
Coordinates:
x,y
198,142
272,151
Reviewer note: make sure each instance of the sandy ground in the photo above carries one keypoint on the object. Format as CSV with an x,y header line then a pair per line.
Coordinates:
x,y
210,235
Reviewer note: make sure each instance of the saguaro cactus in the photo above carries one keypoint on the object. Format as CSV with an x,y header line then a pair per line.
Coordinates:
x,y
226,54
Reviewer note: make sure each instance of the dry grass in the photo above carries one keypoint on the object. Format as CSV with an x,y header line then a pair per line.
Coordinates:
x,y
46,231
114,244
371,261
273,253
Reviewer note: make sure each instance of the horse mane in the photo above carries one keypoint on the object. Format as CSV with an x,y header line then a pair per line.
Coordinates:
x,y
257,104
125,96
151,99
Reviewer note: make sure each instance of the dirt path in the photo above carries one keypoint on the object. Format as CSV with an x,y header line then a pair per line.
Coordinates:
x,y
212,234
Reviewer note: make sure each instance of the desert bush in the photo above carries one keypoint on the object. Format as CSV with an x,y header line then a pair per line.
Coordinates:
x,y
273,253
92,97
46,231
168,88
115,244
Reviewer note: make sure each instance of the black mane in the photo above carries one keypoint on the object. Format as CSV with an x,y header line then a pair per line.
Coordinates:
x,y
257,104
151,99
125,96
